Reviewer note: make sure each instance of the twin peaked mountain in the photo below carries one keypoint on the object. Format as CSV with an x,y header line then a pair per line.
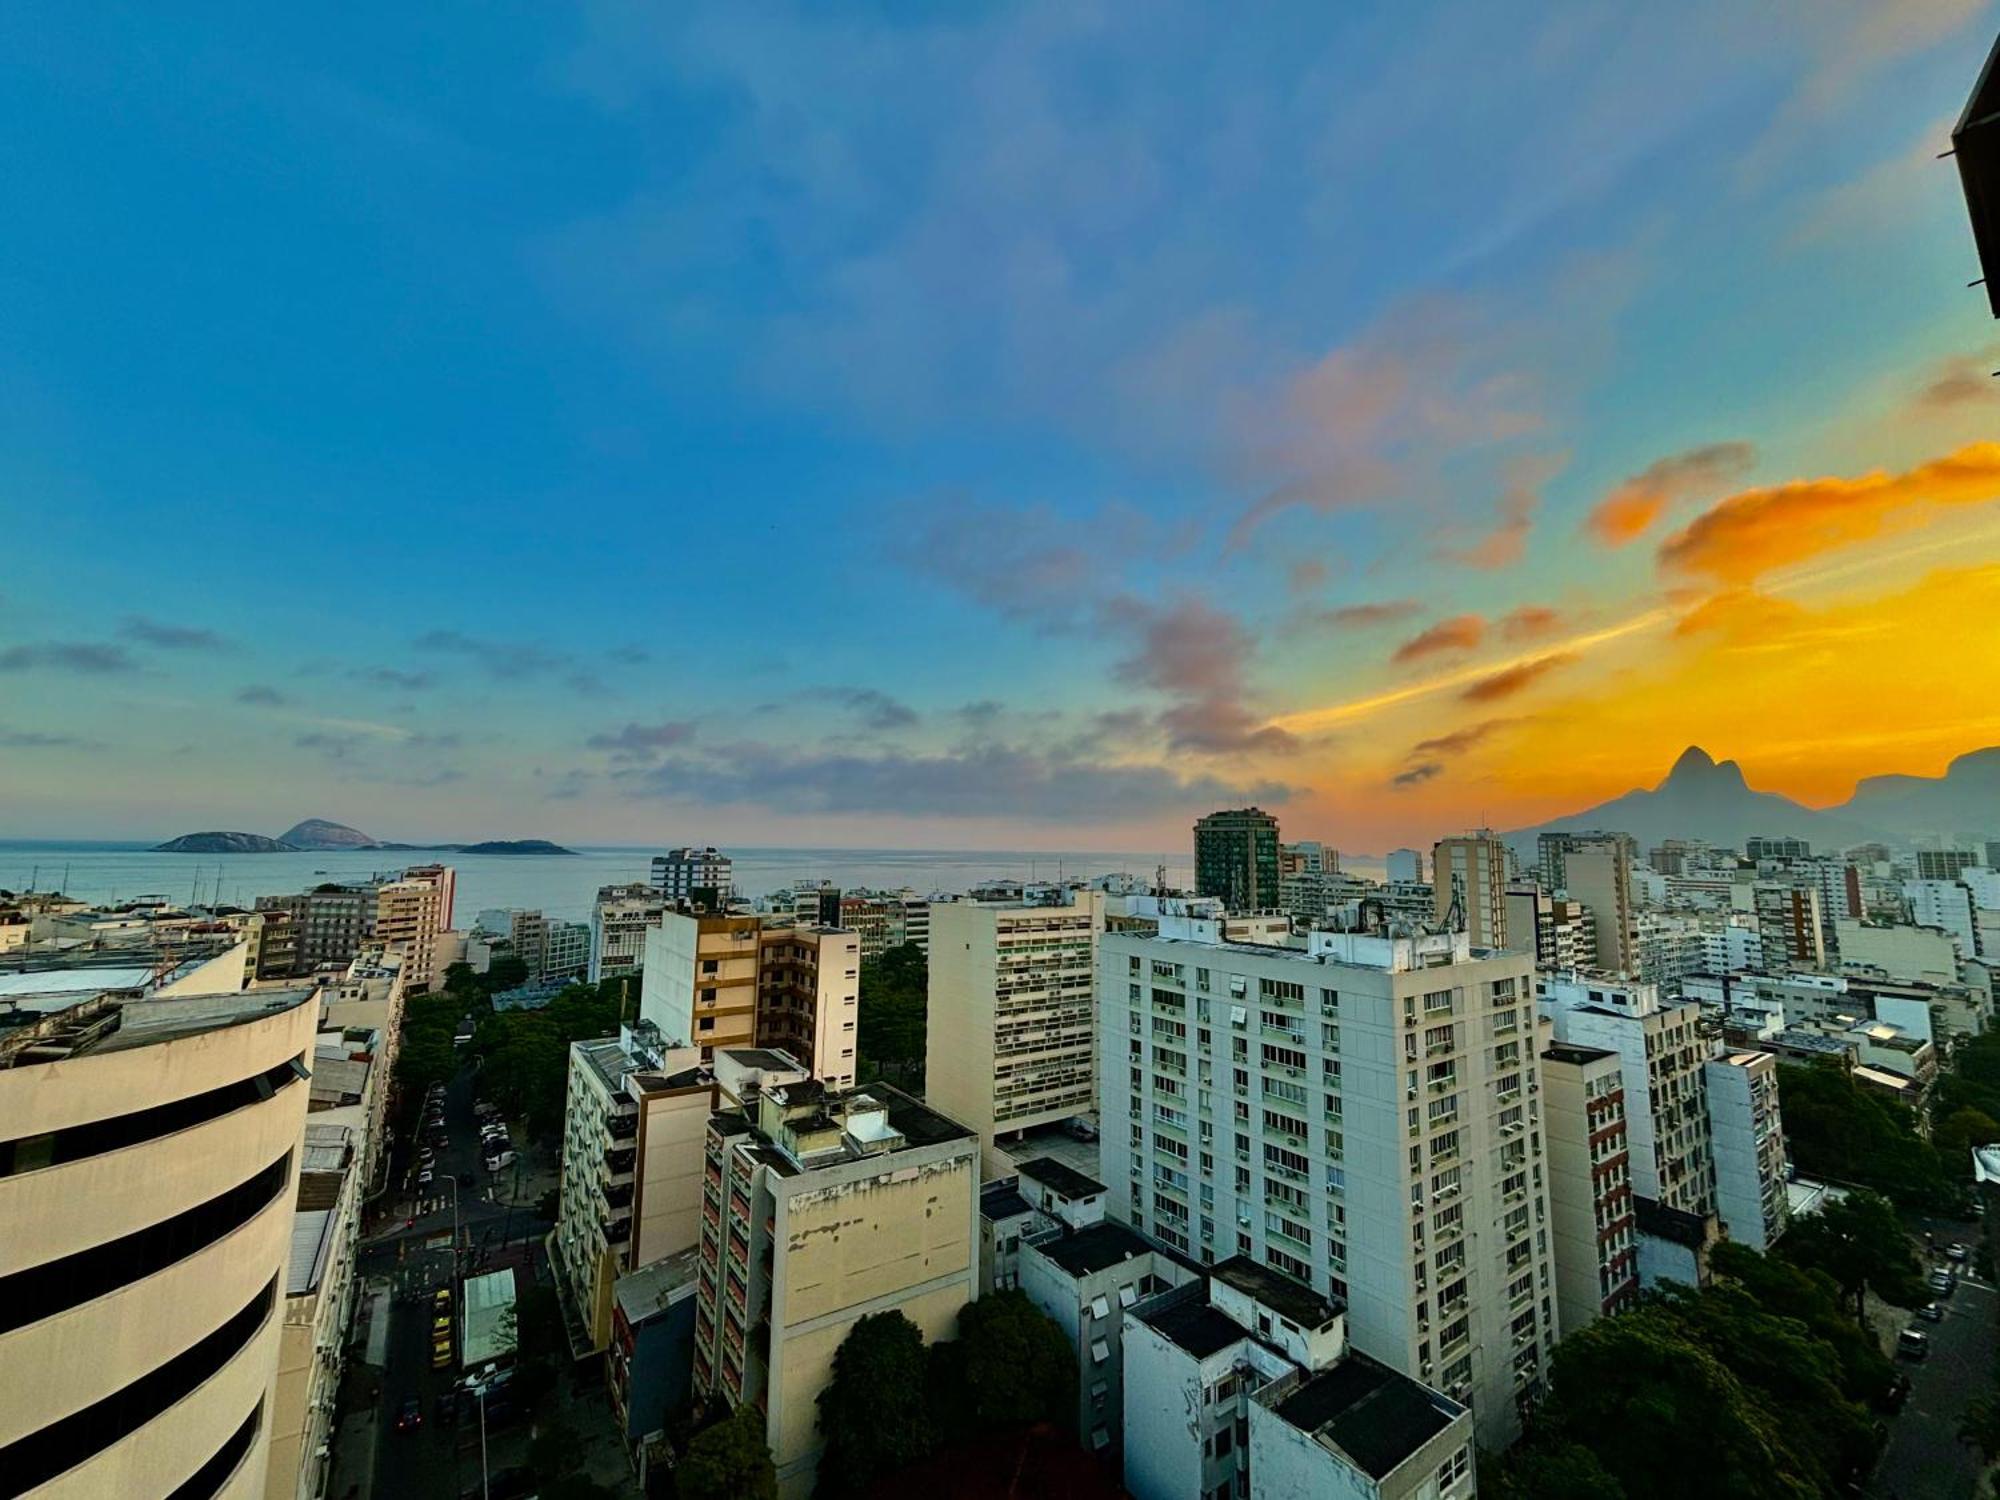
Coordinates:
x,y
1703,798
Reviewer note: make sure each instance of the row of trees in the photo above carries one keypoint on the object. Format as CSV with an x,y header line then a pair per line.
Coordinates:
x,y
892,1404
1837,1130
524,1054
1765,1374
893,1027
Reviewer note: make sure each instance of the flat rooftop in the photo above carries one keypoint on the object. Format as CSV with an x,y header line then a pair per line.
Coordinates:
x,y
1367,1413
1575,1056
1099,1247
1065,1180
1185,1318
1277,1291
651,1289
1002,1200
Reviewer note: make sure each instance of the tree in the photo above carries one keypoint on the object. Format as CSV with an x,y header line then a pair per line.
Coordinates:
x,y
1837,1130
874,1411
729,1461
1559,1471
1958,1132
1018,1367
1860,1243
894,1012
1814,1299
1979,1425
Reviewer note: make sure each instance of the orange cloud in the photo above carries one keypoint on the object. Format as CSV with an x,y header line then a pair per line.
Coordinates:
x,y
1964,380
1506,684
1630,510
1752,532
1459,633
1529,621
1506,543
1459,740
1738,612
1385,612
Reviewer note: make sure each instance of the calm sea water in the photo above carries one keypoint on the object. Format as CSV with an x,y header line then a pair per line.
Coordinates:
x,y
562,887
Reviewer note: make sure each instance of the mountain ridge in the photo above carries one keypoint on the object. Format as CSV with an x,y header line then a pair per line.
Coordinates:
x,y
1701,797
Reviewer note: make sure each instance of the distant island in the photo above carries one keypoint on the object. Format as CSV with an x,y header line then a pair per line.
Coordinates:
x,y
224,843
317,835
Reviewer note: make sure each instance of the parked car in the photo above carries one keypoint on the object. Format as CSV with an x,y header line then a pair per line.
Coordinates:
x,y
410,1415
1898,1393
1955,1251
1942,1282
1931,1312
499,1159
1911,1344
441,1299
441,1353
424,1177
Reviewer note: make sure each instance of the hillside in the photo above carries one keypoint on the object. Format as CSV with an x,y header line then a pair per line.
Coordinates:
x,y
318,833
224,843
1965,799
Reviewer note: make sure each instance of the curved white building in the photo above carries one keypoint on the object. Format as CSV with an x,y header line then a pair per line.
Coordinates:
x,y
148,1164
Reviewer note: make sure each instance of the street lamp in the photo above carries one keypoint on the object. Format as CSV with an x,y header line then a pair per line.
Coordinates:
x,y
451,1180
478,1389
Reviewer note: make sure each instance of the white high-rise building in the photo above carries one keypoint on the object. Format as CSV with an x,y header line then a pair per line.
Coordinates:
x,y
679,873
1361,1115
1947,905
1661,1053
619,922
1748,1138
1405,866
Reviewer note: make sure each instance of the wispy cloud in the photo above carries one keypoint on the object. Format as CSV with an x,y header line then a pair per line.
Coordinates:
x,y
1417,775
35,739
1629,511
513,661
642,742
261,695
1516,679
1459,633
84,658
168,637
874,708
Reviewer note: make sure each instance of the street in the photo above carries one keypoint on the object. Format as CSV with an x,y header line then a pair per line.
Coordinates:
x,y
410,1252
1924,1457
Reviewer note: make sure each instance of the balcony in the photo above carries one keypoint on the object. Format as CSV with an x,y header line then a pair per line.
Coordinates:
x,y
618,1195
623,1127
617,1231
619,1159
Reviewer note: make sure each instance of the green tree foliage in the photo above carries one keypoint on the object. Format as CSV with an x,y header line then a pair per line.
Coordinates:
x,y
1979,1425
729,1461
875,1410
894,1007
1973,1081
1760,1373
1957,1133
1017,1366
1860,1243
524,1054
1836,1130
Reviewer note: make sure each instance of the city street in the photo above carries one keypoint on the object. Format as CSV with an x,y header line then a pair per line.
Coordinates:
x,y
410,1251
1924,1457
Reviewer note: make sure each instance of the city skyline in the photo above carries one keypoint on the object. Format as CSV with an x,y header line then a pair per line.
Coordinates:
x,y
1016,431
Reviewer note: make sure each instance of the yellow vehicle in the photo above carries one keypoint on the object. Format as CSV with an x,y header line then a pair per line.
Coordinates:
x,y
442,1300
441,1326
440,1353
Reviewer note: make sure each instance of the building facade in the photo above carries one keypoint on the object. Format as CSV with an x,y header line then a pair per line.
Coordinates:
x,y
1748,1139
817,1209
684,874
619,922
1012,1034
1364,1116
147,1188
1469,874
1236,858
1594,1229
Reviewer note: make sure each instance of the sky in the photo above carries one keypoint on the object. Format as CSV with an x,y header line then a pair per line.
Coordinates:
x,y
986,426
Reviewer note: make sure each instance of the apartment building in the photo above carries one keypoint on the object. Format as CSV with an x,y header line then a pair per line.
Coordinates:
x,y
1084,1271
1236,858
633,1123
1660,1052
1560,930
1943,864
1748,1140
722,980
318,1307
1242,1382
1594,1229
1469,874
147,1188
1404,866
1947,906
1598,872
809,998
619,922
1790,922
1362,1115
818,1208
1012,1032
690,874
567,951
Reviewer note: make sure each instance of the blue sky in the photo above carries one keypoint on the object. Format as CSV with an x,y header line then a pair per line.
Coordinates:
x,y
1031,426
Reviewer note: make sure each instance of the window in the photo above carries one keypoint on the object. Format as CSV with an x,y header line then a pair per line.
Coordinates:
x,y
1100,1351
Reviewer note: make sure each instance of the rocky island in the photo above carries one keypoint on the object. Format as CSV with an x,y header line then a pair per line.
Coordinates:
x,y
224,843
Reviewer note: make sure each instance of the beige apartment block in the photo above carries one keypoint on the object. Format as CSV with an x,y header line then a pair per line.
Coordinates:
x,y
809,998
1013,1029
1469,874
410,914
818,1209
319,1302
1599,874
169,1128
1593,1219
633,1127
701,978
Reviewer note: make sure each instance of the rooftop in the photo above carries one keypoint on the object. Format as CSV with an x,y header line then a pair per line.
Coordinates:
x,y
1097,1248
1367,1413
1065,1180
651,1289
1185,1319
1573,1055
1277,1291
1002,1200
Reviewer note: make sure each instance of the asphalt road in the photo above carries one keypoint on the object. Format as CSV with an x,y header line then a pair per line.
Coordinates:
x,y
413,1248
1924,1459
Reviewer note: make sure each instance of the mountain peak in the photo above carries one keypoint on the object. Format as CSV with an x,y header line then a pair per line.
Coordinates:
x,y
1694,762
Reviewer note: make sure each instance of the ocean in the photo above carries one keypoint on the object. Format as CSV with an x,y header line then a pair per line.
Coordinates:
x,y
562,887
